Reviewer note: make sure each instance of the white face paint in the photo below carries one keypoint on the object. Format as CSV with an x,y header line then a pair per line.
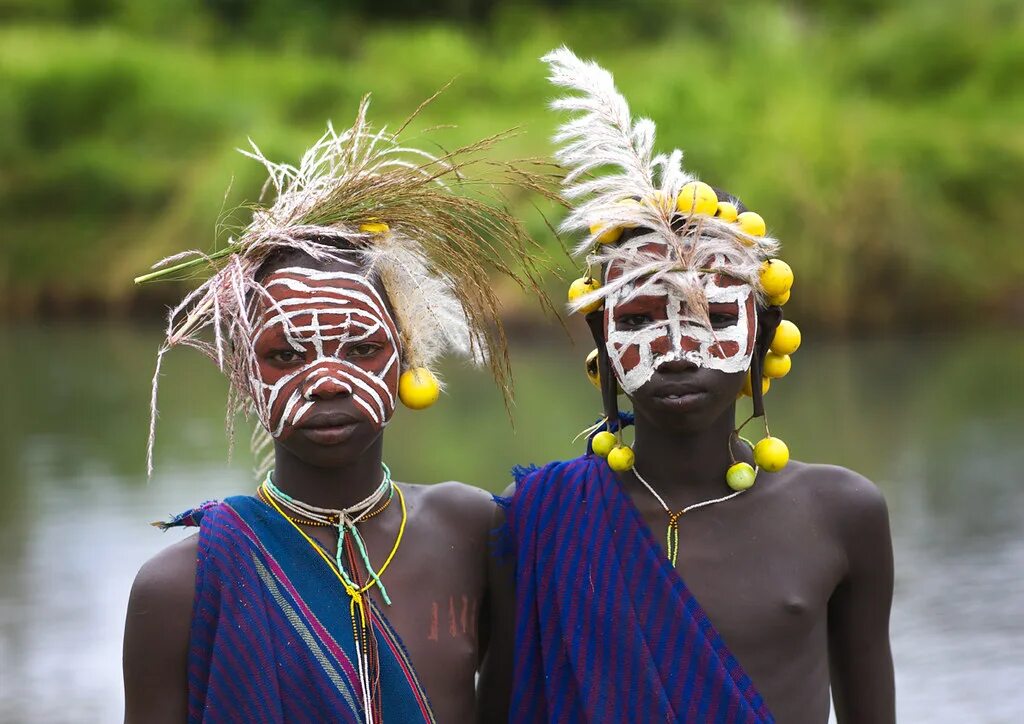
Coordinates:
x,y
648,324
323,334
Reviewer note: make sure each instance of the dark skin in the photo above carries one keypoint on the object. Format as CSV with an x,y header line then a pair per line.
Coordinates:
x,y
796,574
437,582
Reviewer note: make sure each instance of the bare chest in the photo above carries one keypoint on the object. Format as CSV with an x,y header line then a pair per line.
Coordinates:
x,y
436,590
763,577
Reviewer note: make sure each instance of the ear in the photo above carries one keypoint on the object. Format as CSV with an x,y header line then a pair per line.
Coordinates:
x,y
609,385
768,319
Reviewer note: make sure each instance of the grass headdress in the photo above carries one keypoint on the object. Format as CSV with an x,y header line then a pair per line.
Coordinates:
x,y
657,222
400,212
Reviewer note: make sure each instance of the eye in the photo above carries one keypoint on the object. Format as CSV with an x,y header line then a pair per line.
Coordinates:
x,y
286,357
633,321
363,349
721,320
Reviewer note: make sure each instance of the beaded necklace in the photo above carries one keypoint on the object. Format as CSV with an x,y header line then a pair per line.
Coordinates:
x,y
672,532
332,523
346,520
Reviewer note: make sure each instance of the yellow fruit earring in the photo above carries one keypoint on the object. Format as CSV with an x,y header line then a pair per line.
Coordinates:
x,y
418,389
741,475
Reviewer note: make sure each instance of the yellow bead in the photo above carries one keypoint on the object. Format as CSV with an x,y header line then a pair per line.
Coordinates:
x,y
374,227
779,300
603,443
727,211
776,277
418,388
751,223
620,458
748,390
740,476
787,338
585,285
771,454
696,197
777,365
610,234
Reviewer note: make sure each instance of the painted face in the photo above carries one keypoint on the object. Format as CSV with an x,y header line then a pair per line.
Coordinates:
x,y
649,324
324,334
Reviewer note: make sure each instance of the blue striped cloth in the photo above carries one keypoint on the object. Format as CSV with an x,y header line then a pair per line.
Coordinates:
x,y
606,629
271,637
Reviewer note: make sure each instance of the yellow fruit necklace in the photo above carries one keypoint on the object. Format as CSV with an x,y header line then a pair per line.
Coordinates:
x,y
672,532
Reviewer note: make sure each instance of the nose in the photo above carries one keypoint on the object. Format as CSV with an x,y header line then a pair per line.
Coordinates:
x,y
676,364
326,387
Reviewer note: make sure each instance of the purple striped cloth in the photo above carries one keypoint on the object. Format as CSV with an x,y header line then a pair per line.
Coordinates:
x,y
606,629
271,637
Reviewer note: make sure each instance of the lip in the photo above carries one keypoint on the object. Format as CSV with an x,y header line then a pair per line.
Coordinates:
x,y
680,396
682,402
328,428
670,390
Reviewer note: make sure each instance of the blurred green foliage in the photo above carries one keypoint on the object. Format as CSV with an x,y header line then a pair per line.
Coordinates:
x,y
883,142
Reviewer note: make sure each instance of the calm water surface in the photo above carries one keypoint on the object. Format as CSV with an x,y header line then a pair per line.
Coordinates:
x,y
935,422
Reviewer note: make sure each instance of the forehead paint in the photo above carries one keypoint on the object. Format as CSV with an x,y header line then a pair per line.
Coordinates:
x,y
675,333
322,316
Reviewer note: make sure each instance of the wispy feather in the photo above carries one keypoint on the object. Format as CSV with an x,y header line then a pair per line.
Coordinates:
x,y
615,180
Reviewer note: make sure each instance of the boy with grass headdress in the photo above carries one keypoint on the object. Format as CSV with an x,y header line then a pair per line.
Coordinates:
x,y
333,593
692,576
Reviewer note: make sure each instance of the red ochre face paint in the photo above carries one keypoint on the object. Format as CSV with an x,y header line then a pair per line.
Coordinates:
x,y
323,334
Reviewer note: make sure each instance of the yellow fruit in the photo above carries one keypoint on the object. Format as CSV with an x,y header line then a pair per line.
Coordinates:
x,y
585,285
610,234
374,227
786,339
696,197
771,454
776,277
629,202
620,458
748,390
751,223
603,443
418,388
727,211
779,300
594,371
740,476
777,365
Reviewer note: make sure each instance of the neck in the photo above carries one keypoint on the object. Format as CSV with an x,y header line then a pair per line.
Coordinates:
x,y
332,487
686,466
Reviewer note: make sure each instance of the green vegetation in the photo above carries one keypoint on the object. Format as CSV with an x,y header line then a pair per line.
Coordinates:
x,y
883,144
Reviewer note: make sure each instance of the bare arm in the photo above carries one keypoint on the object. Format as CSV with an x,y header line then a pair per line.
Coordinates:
x,y
858,614
494,690
156,637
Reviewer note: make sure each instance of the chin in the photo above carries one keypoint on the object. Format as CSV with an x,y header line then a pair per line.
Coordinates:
x,y
331,454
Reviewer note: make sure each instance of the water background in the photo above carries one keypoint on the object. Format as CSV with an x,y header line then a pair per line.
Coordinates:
x,y
935,421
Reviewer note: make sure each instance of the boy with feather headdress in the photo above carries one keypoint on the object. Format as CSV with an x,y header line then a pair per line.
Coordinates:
x,y
333,593
692,576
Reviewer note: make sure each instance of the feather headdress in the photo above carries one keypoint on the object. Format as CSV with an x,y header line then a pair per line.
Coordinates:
x,y
399,212
616,182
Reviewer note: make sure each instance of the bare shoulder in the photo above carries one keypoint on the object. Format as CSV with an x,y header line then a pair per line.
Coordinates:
x,y
156,635
849,501
166,580
452,504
